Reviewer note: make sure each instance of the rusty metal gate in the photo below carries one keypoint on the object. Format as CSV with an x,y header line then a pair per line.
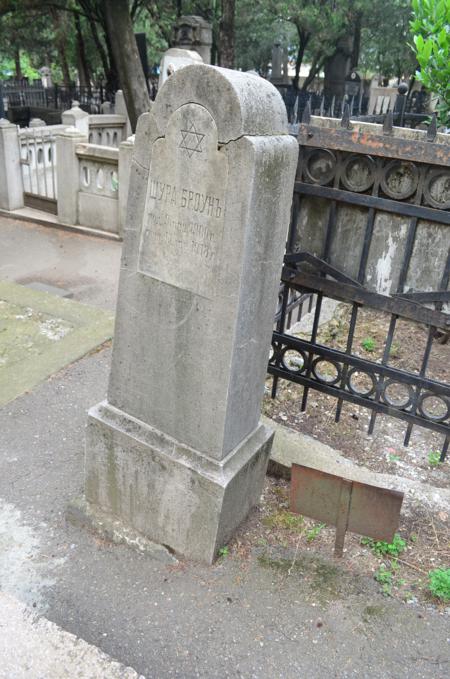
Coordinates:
x,y
38,163
370,227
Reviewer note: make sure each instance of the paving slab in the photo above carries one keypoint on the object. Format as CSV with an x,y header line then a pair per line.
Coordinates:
x,y
268,616
40,333
241,618
31,647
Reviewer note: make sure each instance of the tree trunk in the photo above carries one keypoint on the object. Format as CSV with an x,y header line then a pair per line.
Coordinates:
x,y
303,39
60,40
83,66
126,56
356,43
98,43
19,74
226,34
112,76
314,70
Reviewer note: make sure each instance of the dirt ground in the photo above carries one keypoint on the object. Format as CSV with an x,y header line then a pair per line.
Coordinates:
x,y
426,535
384,450
290,542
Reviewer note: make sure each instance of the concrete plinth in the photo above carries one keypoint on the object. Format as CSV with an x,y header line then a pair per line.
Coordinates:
x,y
167,491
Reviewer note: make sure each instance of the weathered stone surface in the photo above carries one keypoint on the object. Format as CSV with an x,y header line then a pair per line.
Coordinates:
x,y
11,183
41,333
240,104
203,247
169,491
174,59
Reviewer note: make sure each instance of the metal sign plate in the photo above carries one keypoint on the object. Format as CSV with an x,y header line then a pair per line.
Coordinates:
x,y
359,507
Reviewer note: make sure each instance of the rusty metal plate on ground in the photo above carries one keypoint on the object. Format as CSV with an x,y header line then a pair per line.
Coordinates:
x,y
359,507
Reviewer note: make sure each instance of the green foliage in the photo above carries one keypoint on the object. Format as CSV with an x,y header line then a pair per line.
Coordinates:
x,y
434,458
431,28
385,39
224,551
439,583
385,577
314,532
381,548
368,344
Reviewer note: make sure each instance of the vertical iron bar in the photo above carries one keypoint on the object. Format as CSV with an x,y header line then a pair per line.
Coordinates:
x,y
289,247
384,360
426,356
313,341
444,449
348,350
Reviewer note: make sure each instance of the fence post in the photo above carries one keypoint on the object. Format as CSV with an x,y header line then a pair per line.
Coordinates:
x,y
77,118
11,182
124,171
120,108
400,104
2,105
67,173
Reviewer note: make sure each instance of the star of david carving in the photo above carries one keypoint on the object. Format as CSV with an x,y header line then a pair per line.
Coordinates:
x,y
191,140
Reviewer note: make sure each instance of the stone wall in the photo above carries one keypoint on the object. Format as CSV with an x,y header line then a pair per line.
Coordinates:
x,y
402,176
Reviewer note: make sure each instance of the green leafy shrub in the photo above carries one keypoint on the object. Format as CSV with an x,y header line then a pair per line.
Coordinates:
x,y
430,27
439,583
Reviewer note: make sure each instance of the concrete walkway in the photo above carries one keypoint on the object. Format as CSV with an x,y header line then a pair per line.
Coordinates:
x,y
241,618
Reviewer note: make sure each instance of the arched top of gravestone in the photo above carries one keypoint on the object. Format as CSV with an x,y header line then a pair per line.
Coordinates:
x,y
240,103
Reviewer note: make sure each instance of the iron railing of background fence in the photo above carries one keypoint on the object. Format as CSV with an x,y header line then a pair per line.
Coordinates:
x,y
408,110
58,97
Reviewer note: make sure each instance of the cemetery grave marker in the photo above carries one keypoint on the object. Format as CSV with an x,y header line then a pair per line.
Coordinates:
x,y
177,451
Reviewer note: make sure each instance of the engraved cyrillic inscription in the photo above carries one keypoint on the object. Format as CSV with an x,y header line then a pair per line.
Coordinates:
x,y
182,233
182,197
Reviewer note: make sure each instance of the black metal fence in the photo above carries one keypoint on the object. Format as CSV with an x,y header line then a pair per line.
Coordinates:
x,y
408,108
15,93
375,175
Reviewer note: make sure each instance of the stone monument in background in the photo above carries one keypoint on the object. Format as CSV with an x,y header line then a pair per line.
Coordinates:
x,y
177,452
194,33
173,59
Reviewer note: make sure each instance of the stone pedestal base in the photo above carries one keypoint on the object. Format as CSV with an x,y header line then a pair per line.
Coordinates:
x,y
170,493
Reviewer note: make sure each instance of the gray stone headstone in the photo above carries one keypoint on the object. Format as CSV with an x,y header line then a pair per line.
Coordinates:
x,y
178,451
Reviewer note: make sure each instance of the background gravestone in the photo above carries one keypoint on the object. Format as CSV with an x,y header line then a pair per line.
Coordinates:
x,y
177,451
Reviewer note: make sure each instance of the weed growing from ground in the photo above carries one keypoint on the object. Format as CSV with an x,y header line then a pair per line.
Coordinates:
x,y
381,548
224,551
314,532
385,577
434,458
284,519
439,583
368,344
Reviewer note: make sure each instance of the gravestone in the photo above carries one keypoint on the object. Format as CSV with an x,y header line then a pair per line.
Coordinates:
x,y
175,58
177,452
194,33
